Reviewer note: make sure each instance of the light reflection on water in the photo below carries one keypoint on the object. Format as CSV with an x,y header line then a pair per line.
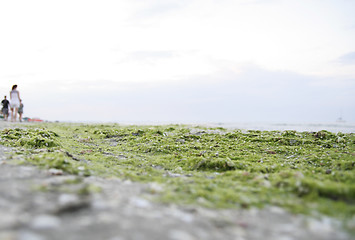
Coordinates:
x,y
301,127
344,127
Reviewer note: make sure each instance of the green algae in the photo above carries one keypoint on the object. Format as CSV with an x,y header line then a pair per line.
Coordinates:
x,y
30,138
42,148
304,172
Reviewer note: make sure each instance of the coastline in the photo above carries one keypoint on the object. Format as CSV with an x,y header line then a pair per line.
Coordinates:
x,y
335,127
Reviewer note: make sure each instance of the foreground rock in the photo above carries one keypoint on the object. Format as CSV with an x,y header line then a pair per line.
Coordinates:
x,y
37,204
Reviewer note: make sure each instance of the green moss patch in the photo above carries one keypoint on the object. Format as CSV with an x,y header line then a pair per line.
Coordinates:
x,y
29,138
303,172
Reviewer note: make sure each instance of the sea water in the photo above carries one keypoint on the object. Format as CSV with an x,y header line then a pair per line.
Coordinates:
x,y
344,127
335,127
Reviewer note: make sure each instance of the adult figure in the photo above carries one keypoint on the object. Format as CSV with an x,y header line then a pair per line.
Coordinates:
x,y
5,108
20,110
14,102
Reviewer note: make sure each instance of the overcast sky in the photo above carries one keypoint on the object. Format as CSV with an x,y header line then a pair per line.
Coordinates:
x,y
180,60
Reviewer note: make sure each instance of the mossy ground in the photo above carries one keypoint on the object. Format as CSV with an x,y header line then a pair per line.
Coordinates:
x,y
304,172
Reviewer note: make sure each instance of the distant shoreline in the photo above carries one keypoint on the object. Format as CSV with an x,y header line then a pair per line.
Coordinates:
x,y
344,127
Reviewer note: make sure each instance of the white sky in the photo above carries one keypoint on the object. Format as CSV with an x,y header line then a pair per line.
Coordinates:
x,y
171,60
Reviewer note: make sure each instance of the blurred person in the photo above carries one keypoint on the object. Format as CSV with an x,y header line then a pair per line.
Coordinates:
x,y
20,110
14,102
5,108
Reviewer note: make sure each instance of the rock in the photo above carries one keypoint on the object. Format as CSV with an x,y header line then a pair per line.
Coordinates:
x,y
54,171
81,168
45,222
180,235
266,183
127,182
277,210
26,235
351,224
66,199
155,188
99,205
139,202
8,236
169,174
8,220
323,226
71,203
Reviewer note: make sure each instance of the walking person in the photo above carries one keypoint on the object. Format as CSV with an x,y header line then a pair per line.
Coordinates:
x,y
5,108
14,102
20,110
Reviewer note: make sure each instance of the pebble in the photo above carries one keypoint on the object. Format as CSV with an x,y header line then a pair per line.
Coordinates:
x,y
351,224
26,235
173,174
85,222
68,199
8,220
323,226
116,238
55,171
180,235
266,183
140,202
155,187
8,236
285,237
106,218
277,210
99,205
127,182
183,216
42,222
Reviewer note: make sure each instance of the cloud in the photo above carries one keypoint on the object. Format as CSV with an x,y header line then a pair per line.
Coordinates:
x,y
179,59
152,32
254,94
153,8
347,59
246,2
150,56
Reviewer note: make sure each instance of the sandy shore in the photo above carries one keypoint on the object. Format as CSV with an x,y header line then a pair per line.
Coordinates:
x,y
7,124
39,204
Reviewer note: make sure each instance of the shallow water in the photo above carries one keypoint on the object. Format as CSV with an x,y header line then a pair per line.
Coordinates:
x,y
344,127
301,127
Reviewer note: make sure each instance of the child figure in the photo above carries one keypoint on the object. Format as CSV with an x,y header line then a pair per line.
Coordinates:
x,y
20,110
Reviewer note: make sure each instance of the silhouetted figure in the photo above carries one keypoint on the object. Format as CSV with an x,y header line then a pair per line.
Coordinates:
x,y
5,108
14,102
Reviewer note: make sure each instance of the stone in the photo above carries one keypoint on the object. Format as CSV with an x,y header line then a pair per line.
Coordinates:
x,y
54,171
42,222
140,202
